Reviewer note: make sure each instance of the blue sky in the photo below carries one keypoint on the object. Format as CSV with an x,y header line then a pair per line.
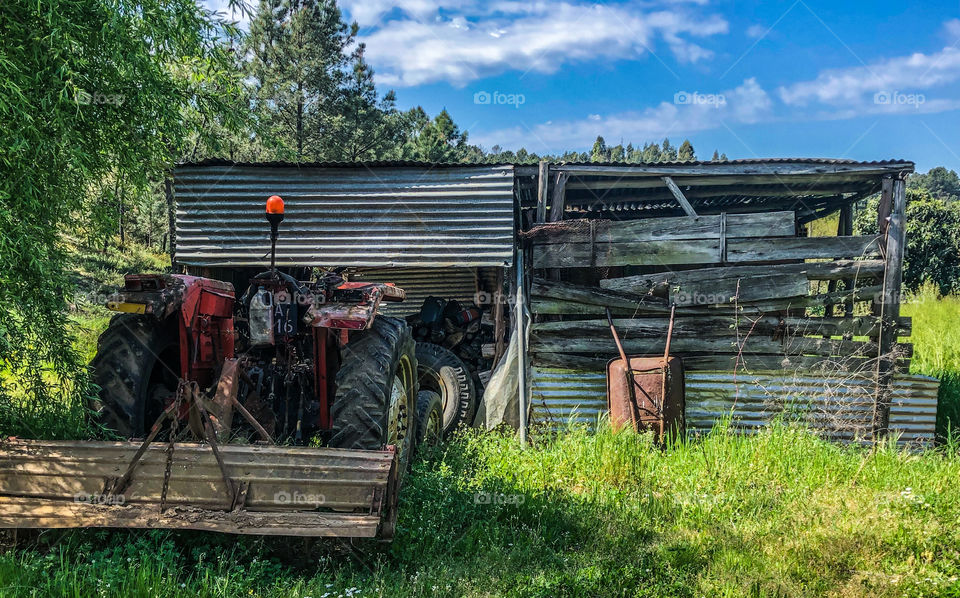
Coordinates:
x,y
804,78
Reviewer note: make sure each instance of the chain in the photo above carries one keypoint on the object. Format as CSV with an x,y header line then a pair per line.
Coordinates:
x,y
174,427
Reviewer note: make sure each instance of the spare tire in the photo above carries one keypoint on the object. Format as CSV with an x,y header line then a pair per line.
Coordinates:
x,y
442,372
429,418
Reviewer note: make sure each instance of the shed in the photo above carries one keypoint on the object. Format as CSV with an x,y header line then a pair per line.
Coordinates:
x,y
770,318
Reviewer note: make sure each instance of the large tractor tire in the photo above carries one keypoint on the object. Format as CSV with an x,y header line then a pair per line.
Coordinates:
x,y
136,368
442,372
375,403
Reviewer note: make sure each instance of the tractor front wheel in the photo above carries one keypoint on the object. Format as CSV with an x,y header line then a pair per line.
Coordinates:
x,y
376,398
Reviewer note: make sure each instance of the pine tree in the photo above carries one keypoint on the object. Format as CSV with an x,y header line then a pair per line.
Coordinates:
x,y
437,140
364,127
651,153
599,151
668,153
297,65
716,156
686,153
617,153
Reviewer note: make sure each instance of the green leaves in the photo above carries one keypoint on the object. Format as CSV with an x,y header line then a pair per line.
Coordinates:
x,y
92,103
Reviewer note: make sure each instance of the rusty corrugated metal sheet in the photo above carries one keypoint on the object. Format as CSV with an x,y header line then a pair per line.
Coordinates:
x,y
560,396
839,407
420,283
337,216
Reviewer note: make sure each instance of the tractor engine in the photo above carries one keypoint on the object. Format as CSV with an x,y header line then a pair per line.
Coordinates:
x,y
289,337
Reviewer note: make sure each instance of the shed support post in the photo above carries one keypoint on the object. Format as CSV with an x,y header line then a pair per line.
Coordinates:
x,y
894,227
846,230
521,350
558,204
543,183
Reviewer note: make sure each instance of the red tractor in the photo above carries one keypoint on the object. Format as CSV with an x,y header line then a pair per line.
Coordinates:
x,y
305,401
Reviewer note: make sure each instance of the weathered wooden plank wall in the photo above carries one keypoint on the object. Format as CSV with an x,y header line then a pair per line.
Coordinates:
x,y
741,285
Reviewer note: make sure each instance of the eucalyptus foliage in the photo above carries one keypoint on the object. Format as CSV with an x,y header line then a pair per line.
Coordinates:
x,y
92,102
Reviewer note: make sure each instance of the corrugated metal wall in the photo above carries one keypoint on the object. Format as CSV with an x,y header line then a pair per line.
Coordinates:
x,y
420,283
840,407
360,216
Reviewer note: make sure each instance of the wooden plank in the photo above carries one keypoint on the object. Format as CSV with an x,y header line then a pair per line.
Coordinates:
x,y
832,270
703,251
800,345
17,512
567,291
545,306
727,362
802,248
764,224
715,325
551,297
652,253
678,195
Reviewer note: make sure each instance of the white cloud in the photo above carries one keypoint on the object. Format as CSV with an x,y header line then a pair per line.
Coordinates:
x,y
424,41
756,31
746,104
952,30
852,86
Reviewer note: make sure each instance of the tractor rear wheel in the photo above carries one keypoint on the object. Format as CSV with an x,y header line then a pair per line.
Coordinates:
x,y
375,403
136,368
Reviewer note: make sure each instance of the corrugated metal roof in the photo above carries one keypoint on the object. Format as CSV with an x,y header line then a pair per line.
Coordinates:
x,y
398,163
840,408
830,161
420,283
341,164
346,215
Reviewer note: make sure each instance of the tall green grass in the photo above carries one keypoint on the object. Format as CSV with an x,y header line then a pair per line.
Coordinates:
x,y
781,513
936,341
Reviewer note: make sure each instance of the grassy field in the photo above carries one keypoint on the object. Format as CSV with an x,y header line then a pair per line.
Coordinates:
x,y
936,341
779,514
